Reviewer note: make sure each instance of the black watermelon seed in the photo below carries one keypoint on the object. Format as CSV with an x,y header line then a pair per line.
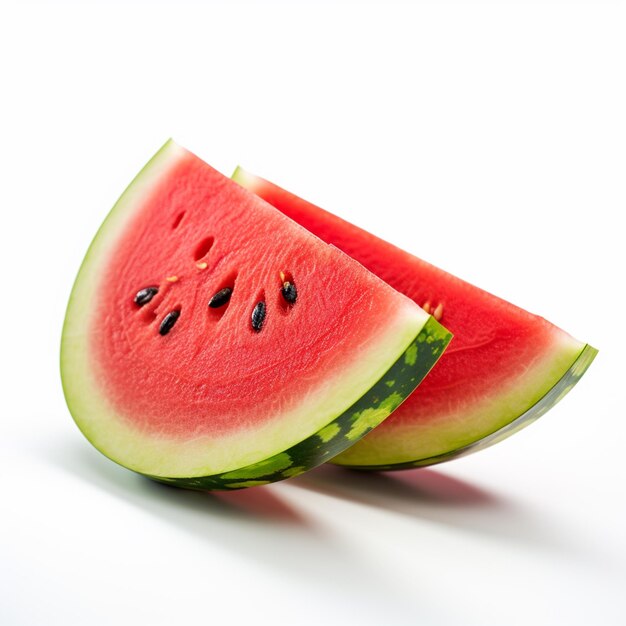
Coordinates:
x,y
168,322
258,316
220,298
145,295
289,291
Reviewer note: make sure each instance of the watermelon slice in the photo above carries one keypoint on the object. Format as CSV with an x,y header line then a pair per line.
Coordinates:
x,y
504,368
210,342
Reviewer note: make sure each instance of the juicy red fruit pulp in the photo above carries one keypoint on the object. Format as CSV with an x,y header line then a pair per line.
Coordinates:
x,y
171,364
494,341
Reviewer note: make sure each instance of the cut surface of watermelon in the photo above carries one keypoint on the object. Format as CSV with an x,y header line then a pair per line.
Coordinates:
x,y
211,342
504,368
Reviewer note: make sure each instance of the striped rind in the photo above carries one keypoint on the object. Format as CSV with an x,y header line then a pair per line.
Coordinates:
x,y
554,395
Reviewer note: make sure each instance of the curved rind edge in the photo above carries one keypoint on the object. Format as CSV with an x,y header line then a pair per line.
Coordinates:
x,y
353,424
554,395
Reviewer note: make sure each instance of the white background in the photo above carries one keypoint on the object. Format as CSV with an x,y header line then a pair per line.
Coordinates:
x,y
487,138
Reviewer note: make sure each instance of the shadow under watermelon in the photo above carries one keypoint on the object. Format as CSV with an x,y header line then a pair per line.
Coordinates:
x,y
262,524
256,505
435,496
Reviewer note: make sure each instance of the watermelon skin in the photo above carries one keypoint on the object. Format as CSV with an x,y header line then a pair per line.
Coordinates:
x,y
554,395
115,360
533,364
364,415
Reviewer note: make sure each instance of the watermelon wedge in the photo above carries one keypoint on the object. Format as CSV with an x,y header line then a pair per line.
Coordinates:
x,y
212,343
504,368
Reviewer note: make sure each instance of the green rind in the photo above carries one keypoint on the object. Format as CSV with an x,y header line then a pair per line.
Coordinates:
x,y
552,397
364,415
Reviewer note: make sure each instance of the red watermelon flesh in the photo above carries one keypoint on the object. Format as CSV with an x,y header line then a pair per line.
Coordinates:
x,y
504,368
212,342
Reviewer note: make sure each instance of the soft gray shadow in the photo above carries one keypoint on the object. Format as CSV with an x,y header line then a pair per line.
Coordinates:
x,y
426,494
401,491
188,509
260,524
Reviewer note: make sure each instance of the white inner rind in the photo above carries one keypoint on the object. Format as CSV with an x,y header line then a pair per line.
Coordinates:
x,y
161,455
